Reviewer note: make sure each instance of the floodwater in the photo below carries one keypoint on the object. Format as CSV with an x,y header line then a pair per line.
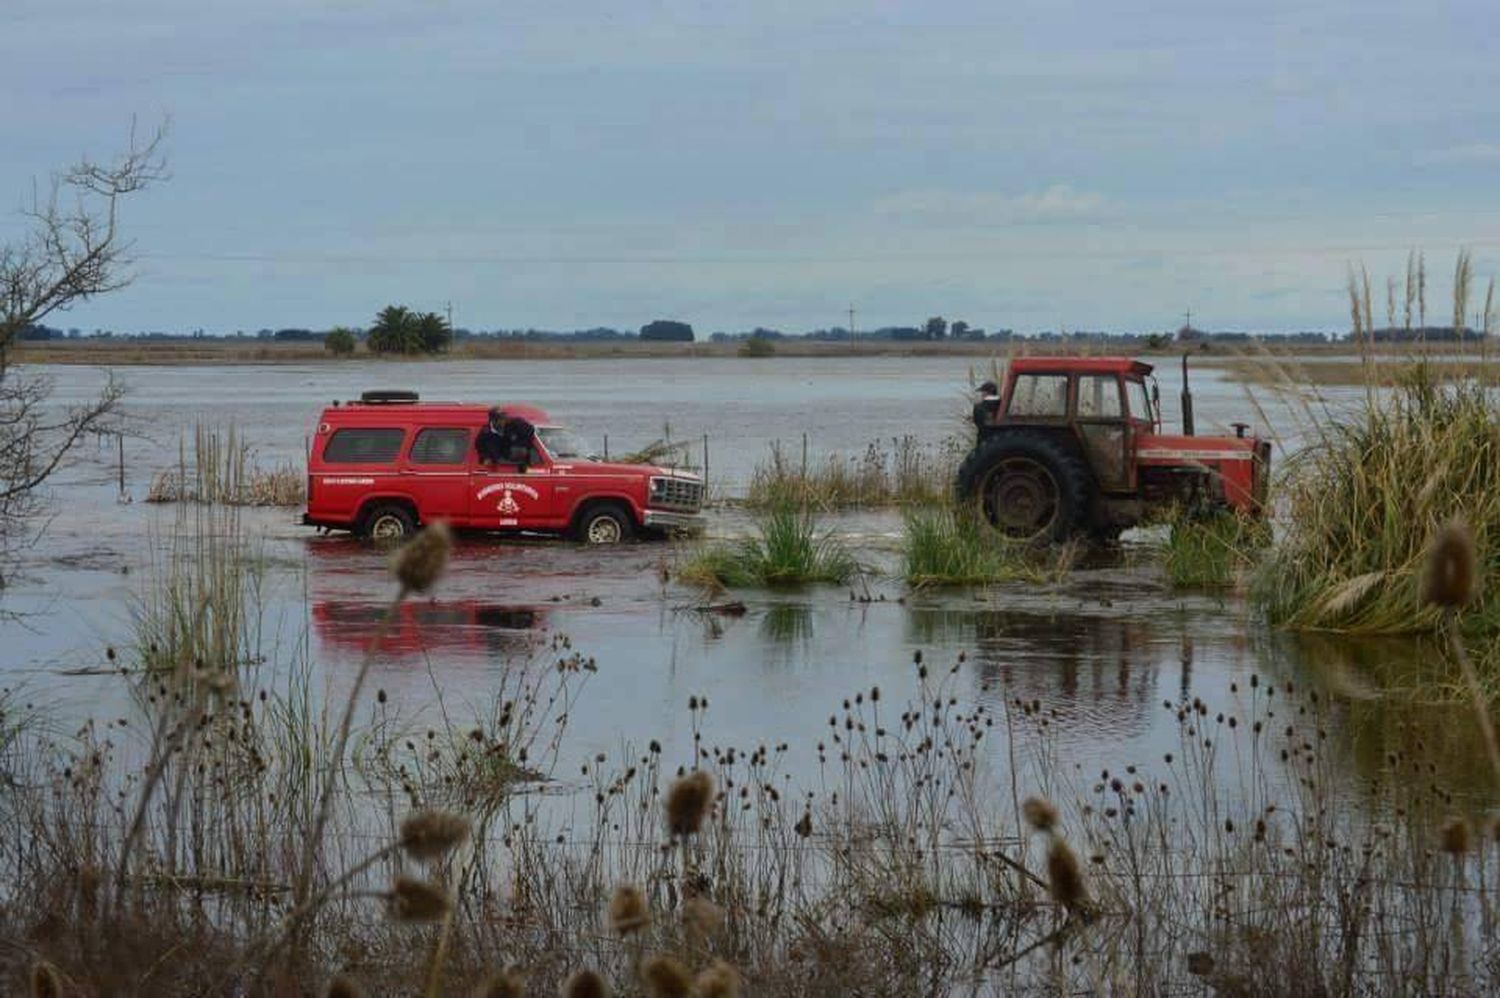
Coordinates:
x,y
1107,648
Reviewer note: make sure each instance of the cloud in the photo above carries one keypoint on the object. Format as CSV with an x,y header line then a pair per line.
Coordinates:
x,y
1055,203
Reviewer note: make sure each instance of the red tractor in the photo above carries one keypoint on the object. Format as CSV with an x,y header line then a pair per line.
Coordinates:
x,y
1073,446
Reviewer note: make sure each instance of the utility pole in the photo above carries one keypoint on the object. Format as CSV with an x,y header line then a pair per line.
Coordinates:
x,y
449,306
851,326
1189,320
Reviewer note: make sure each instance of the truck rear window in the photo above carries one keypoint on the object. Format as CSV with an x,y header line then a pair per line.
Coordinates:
x,y
441,445
364,446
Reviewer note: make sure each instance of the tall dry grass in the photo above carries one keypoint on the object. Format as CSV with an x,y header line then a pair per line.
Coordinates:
x,y
219,469
902,471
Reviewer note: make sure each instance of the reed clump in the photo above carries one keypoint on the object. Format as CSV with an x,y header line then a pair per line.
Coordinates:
x,y
788,549
1213,550
1364,499
951,545
899,471
220,469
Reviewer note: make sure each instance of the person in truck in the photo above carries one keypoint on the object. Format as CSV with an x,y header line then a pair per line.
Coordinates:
x,y
516,438
491,440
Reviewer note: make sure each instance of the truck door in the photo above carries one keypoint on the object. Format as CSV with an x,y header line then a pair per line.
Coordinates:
x,y
1108,436
502,497
438,463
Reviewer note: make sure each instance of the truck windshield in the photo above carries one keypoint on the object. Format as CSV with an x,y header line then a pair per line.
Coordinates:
x,y
562,443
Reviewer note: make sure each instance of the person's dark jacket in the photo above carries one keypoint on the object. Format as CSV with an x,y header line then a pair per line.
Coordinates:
x,y
491,445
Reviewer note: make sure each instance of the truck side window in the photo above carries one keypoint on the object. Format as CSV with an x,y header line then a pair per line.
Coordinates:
x,y
1039,395
360,445
1099,397
440,445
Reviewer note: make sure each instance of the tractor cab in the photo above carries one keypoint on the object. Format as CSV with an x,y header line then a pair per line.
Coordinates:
x,y
1075,445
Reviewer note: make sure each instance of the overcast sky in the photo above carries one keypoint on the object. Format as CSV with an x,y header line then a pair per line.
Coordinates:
x,y
565,165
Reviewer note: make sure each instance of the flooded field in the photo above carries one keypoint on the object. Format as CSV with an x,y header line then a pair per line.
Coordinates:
x,y
1107,646
874,742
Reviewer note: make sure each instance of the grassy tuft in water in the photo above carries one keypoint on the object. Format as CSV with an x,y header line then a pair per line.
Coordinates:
x,y
900,471
1211,551
788,549
951,545
1367,494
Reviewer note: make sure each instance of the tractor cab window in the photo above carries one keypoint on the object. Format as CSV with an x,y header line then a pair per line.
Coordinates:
x,y
1140,402
1099,397
1039,395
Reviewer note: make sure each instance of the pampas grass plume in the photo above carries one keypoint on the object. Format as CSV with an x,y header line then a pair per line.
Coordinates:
x,y
343,986
688,802
1452,566
420,562
1064,877
44,981
507,983
585,984
627,910
1039,813
429,835
717,980
415,900
667,977
1455,836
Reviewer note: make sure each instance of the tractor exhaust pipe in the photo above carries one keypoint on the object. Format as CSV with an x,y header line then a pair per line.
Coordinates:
x,y
1187,401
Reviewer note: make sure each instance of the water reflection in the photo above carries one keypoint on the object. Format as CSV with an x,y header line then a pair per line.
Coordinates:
x,y
1395,698
787,624
468,627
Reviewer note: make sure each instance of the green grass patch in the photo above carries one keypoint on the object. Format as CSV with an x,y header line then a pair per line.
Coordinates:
x,y
788,549
952,545
1211,552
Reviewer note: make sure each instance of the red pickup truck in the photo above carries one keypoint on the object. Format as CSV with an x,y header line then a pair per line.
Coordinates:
x,y
389,462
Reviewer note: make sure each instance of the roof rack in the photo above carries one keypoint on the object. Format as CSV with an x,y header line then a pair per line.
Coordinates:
x,y
388,396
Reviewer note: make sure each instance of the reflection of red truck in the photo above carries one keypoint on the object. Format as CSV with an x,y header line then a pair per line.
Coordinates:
x,y
387,463
427,627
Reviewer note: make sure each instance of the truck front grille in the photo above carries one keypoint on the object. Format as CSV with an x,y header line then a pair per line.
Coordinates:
x,y
679,494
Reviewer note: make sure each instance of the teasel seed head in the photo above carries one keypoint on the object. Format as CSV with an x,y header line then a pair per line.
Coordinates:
x,y
585,984
1452,566
701,918
1040,814
413,900
666,977
343,986
1064,876
429,835
628,912
717,980
45,982
507,983
688,802
419,563
1455,836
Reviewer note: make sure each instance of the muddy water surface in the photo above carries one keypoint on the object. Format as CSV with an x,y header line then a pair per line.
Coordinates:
x,y
1106,649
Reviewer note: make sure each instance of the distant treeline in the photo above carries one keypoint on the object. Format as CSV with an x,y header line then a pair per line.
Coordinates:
x,y
671,331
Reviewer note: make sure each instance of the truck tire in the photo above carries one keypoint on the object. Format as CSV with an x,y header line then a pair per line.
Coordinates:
x,y
388,522
604,523
1028,486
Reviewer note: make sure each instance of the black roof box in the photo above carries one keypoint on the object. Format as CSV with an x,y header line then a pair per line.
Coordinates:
x,y
386,396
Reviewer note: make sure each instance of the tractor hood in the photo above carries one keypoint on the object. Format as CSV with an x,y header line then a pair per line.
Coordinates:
x,y
1175,448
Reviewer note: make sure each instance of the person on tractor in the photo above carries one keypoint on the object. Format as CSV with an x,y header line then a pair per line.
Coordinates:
x,y
987,405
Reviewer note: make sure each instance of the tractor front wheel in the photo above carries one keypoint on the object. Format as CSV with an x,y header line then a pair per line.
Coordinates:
x,y
1028,487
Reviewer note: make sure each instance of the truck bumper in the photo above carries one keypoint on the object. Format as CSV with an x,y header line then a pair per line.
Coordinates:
x,y
685,523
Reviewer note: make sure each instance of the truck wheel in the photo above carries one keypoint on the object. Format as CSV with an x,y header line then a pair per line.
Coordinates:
x,y
389,523
606,523
1028,487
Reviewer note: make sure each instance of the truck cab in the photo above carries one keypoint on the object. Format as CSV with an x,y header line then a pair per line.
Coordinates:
x,y
385,464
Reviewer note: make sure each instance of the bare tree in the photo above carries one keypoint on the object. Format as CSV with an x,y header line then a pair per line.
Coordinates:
x,y
70,251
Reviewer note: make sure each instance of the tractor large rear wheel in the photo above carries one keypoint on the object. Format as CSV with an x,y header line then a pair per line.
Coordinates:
x,y
1028,486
